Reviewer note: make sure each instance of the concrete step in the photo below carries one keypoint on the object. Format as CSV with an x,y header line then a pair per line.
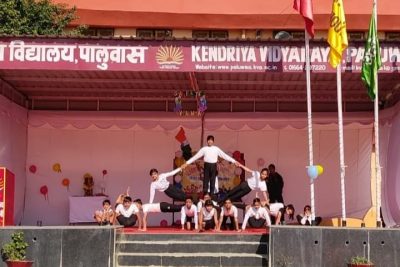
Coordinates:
x,y
176,246
193,237
193,259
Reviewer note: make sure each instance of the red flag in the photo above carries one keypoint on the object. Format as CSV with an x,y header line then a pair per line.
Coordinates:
x,y
304,7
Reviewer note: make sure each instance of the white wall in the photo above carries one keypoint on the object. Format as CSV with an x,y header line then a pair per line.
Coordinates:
x,y
13,139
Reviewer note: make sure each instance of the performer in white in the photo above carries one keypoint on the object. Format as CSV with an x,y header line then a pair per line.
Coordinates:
x,y
210,154
161,184
257,181
189,215
156,208
256,216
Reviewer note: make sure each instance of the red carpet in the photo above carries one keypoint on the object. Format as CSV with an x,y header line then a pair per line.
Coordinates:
x,y
177,230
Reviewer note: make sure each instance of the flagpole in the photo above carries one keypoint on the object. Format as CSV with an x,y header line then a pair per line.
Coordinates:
x,y
341,143
376,130
309,123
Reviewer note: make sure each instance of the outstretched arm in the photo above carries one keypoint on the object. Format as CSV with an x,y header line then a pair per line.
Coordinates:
x,y
226,157
196,157
245,168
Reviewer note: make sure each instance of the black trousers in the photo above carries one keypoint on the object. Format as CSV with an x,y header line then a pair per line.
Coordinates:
x,y
210,173
239,191
166,207
127,221
256,223
175,193
224,221
210,224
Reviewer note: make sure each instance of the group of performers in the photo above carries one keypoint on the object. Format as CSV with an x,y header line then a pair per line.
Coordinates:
x,y
208,214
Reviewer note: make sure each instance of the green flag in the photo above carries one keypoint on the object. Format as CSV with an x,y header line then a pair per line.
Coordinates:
x,y
372,59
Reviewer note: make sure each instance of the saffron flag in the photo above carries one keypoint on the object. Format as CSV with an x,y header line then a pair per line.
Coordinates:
x,y
304,7
372,59
337,36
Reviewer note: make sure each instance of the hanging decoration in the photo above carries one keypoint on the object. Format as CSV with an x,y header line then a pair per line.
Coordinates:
x,y
32,169
57,167
194,92
104,172
65,182
45,192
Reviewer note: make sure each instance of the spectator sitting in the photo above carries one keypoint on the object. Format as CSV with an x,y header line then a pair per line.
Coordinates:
x,y
106,216
305,218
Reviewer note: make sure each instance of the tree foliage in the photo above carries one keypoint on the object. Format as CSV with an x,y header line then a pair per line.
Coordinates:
x,y
34,17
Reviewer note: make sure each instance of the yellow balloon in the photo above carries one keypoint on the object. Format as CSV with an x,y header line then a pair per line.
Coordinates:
x,y
320,169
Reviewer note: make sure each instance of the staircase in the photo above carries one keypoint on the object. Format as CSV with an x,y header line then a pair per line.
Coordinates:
x,y
204,249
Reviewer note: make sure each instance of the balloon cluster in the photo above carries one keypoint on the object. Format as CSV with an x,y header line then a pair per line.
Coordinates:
x,y
314,171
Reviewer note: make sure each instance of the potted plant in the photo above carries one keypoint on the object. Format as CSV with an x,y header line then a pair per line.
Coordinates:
x,y
13,253
360,261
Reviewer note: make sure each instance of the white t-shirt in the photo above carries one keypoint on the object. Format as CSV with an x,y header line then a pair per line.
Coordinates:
x,y
260,213
201,203
255,182
133,209
274,208
232,211
192,212
208,215
210,154
161,184
151,207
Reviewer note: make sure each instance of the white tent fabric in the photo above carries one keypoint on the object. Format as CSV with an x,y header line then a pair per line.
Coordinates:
x,y
129,145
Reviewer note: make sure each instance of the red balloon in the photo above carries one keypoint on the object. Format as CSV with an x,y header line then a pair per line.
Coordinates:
x,y
104,172
32,169
44,190
163,223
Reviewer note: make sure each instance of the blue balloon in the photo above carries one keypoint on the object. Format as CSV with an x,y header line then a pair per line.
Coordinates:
x,y
312,172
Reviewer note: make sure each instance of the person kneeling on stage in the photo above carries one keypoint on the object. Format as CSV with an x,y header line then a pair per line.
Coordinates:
x,y
201,202
128,212
278,212
257,181
161,184
305,218
256,215
208,216
105,216
231,212
189,215
158,207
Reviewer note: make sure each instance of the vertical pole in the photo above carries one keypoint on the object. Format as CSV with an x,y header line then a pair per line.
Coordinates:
x,y
309,123
376,129
341,143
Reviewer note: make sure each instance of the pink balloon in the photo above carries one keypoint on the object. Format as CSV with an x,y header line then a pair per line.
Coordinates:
x,y
260,162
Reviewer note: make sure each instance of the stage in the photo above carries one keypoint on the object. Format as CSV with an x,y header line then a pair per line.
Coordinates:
x,y
280,246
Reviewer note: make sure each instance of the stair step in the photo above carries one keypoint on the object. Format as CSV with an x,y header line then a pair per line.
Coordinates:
x,y
191,259
188,246
194,237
